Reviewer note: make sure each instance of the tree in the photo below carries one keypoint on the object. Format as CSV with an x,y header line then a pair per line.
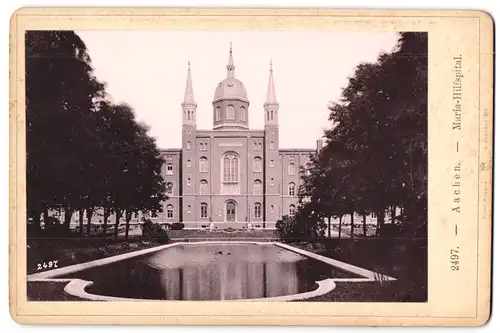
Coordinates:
x,y
375,155
148,183
60,94
131,172
383,119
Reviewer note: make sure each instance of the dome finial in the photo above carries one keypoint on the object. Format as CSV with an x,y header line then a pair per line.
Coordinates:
x,y
230,64
189,65
271,64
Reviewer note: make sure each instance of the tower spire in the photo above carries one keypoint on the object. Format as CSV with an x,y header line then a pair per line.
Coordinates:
x,y
271,94
188,94
230,63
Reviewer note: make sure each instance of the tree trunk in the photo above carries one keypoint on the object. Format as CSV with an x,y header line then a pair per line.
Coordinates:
x,y
106,217
352,224
393,214
380,220
90,212
364,224
46,217
80,221
117,221
340,226
128,217
36,219
68,211
329,227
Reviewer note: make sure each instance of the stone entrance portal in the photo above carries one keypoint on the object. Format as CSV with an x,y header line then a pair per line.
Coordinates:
x,y
230,211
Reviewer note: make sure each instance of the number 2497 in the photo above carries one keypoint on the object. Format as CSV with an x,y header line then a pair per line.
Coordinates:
x,y
454,260
45,265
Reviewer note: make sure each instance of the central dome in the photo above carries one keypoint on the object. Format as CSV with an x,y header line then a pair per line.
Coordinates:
x,y
230,88
230,101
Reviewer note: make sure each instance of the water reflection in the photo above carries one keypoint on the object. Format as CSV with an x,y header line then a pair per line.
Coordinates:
x,y
210,272
228,272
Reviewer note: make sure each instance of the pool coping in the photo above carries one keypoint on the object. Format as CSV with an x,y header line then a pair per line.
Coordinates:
x,y
76,287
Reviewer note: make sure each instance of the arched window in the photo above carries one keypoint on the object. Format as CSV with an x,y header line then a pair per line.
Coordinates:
x,y
188,145
291,210
257,164
170,169
203,186
291,189
267,115
271,146
204,210
217,113
257,210
272,115
230,173
291,169
271,163
230,168
188,163
170,212
203,164
257,187
243,113
188,182
230,112
170,188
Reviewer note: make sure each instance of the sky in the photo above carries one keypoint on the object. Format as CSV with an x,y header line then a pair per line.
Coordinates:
x,y
147,70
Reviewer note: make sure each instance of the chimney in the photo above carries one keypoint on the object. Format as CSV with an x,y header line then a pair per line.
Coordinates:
x,y
319,145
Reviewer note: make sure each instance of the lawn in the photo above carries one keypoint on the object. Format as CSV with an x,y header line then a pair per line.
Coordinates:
x,y
70,251
403,259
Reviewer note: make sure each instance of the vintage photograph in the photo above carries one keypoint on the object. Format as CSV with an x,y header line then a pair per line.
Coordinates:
x,y
226,165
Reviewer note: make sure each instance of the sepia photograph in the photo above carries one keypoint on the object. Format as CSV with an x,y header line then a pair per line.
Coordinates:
x,y
227,165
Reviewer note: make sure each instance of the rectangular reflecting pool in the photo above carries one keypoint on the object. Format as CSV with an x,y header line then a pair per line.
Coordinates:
x,y
225,271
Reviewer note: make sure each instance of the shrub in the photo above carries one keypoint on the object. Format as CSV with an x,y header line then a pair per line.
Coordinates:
x,y
301,227
177,226
154,231
288,229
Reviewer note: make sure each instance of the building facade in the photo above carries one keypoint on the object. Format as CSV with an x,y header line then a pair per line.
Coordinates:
x,y
231,175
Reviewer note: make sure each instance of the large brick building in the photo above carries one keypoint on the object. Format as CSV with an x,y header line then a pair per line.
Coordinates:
x,y
231,175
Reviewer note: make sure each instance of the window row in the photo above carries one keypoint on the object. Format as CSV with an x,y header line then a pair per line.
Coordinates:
x,y
230,114
189,115
257,187
257,146
257,210
231,167
271,115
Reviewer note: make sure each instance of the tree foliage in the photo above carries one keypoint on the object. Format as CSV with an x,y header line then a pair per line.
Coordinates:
x,y
375,155
83,152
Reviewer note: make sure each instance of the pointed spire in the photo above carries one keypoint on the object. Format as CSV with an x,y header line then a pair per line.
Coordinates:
x,y
271,94
188,94
230,63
